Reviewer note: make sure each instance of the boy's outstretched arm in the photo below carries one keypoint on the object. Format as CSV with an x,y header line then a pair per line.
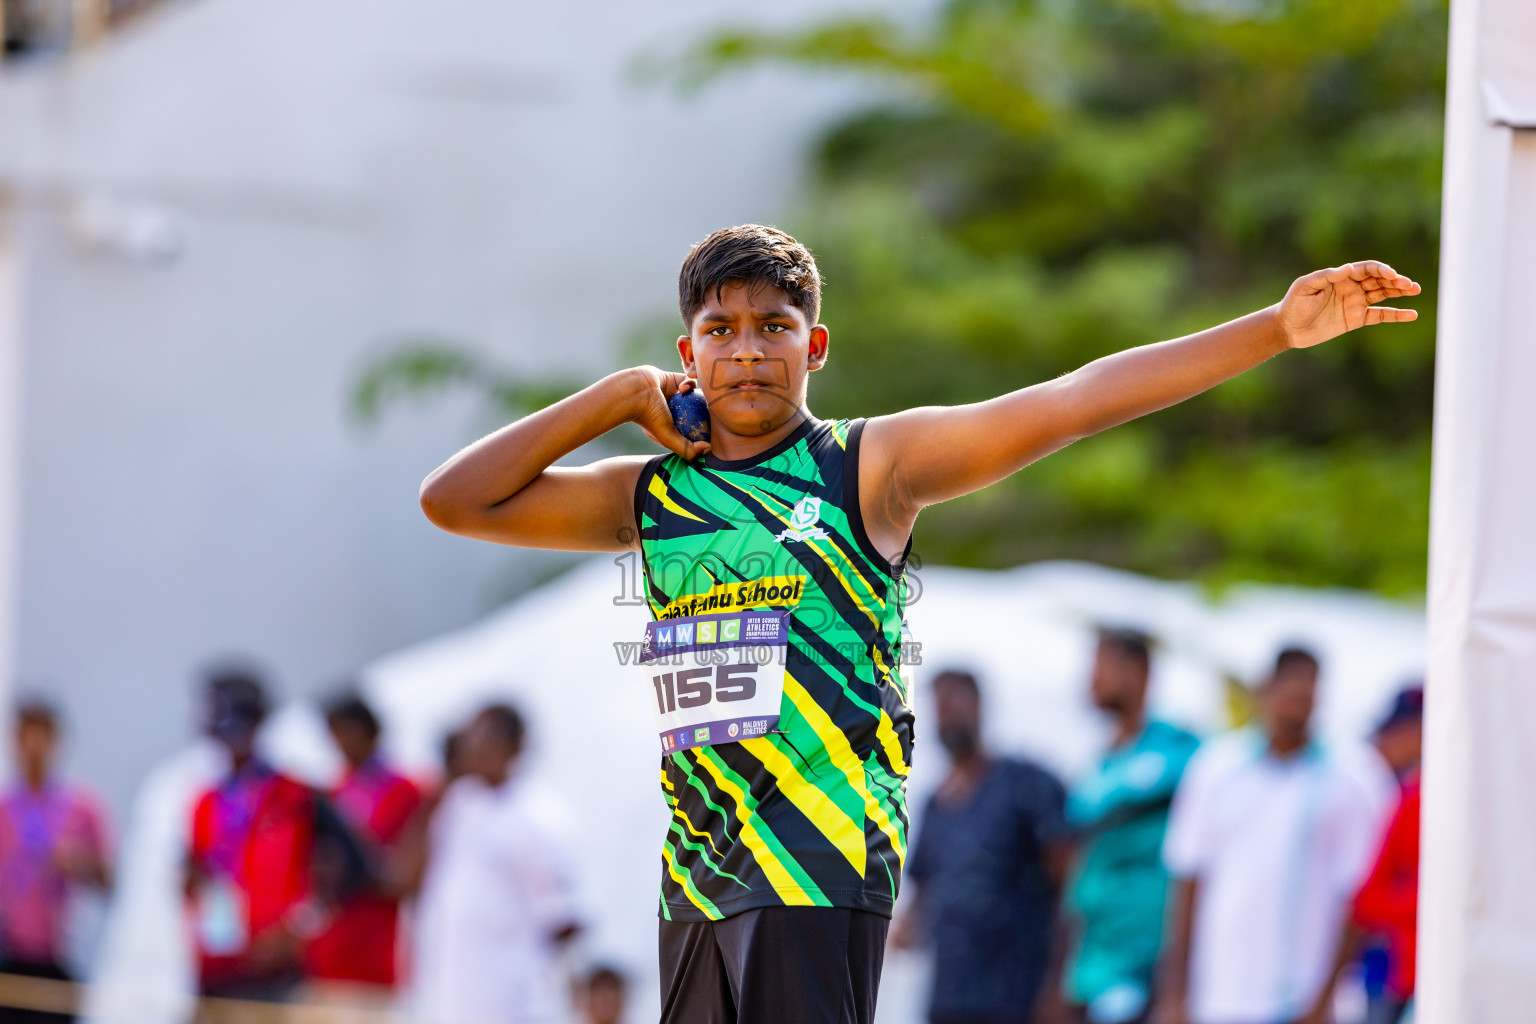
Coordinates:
x,y
506,488
927,455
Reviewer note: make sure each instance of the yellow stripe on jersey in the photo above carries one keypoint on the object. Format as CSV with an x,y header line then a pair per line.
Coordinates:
x,y
885,732
688,823
843,759
843,832
681,878
789,890
763,592
659,490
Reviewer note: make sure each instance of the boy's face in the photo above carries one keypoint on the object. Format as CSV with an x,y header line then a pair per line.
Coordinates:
x,y
1287,699
35,742
1118,681
750,351
485,751
353,740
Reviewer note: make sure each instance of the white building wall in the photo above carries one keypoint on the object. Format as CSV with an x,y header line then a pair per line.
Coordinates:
x,y
222,212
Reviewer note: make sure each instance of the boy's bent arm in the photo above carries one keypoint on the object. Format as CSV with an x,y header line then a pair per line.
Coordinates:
x,y
923,456
506,488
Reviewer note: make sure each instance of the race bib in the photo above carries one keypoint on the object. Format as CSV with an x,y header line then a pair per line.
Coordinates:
x,y
715,678
221,917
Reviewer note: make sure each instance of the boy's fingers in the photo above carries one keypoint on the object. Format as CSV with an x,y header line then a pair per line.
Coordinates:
x,y
1361,272
677,383
669,438
1389,315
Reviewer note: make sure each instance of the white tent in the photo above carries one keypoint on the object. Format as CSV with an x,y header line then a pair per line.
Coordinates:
x,y
1027,632
1477,920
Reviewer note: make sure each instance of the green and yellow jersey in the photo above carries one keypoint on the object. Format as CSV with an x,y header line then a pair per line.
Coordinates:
x,y
814,813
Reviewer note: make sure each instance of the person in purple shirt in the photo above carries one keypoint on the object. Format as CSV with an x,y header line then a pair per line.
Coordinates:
x,y
53,839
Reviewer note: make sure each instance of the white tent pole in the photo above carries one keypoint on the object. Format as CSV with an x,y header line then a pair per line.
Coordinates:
x,y
10,469
1477,908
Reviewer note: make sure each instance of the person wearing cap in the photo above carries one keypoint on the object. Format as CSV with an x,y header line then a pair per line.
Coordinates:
x,y
1115,903
268,859
1388,904
1384,914
53,842
359,943
1400,736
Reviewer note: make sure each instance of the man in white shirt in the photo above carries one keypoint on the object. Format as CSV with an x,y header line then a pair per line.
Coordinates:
x,y
496,902
1269,837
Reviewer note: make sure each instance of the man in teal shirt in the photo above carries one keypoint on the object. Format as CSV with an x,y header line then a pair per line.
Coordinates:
x,y
1116,898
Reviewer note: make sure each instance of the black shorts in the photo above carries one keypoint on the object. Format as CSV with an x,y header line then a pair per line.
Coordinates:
x,y
809,965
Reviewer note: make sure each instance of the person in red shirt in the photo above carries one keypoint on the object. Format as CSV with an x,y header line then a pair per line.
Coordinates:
x,y
1385,908
268,858
359,944
1388,902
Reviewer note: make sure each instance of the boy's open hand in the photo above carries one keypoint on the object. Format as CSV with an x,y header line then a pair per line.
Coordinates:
x,y
1327,303
649,409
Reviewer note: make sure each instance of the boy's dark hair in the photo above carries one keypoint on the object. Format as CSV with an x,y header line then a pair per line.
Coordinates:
x,y
37,711
1131,644
1295,656
750,254
507,721
955,677
237,696
603,976
350,707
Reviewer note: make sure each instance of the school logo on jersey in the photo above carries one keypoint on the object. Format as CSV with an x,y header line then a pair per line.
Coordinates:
x,y
802,522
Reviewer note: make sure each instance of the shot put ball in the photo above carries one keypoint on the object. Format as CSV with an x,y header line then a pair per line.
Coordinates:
x,y
690,414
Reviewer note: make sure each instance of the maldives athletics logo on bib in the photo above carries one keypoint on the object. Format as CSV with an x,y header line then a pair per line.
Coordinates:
x,y
802,522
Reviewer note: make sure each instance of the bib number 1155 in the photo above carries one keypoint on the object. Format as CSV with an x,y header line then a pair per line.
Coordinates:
x,y
715,678
695,687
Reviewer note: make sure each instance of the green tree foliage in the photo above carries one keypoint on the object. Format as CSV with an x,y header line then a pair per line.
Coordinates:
x,y
1053,180
424,366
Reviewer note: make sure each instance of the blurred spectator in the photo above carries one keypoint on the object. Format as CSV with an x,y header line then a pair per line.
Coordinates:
x,y
985,871
33,26
496,904
53,837
414,843
1120,809
269,857
453,757
1385,918
359,944
602,997
1388,904
1400,736
1269,838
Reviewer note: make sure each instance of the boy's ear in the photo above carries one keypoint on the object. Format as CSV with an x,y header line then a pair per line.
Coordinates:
x,y
816,355
685,353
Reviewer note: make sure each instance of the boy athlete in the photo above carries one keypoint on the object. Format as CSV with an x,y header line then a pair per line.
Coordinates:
x,y
788,832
